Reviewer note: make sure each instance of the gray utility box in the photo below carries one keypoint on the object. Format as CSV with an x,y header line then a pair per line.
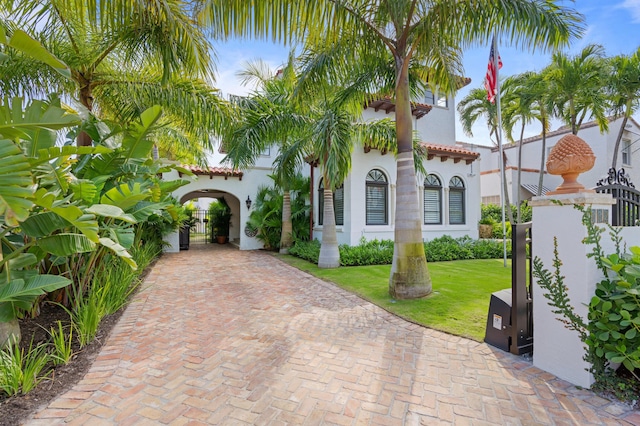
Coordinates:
x,y
498,332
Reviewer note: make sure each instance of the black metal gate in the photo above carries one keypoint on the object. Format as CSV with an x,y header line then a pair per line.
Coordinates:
x,y
521,286
201,227
626,210
510,318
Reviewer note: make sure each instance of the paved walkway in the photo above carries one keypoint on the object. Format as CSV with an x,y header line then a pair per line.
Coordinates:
x,y
229,337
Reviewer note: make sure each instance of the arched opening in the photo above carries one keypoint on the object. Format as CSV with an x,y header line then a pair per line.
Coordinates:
x,y
214,217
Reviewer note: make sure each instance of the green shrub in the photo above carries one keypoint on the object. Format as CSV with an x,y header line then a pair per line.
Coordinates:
x,y
307,250
376,252
497,230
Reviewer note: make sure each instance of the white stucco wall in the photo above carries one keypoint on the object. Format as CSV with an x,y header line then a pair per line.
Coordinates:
x,y
355,226
602,146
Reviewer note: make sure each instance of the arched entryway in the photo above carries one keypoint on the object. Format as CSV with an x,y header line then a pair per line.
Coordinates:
x,y
215,183
203,227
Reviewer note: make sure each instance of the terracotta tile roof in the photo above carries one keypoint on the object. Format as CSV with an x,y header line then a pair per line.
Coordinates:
x,y
450,151
418,110
214,171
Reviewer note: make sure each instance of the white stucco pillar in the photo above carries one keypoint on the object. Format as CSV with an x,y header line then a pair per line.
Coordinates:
x,y
173,242
392,210
557,349
445,206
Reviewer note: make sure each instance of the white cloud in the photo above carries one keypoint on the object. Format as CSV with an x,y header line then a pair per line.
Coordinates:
x,y
633,6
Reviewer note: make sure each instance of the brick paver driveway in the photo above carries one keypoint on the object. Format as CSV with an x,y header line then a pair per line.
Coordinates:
x,y
228,337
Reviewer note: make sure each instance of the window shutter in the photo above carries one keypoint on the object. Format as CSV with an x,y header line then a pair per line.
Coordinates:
x,y
432,206
338,205
456,207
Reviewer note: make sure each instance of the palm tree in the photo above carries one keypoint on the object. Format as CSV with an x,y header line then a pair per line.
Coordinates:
x,y
624,87
426,32
575,84
335,132
535,88
519,106
270,116
123,57
473,107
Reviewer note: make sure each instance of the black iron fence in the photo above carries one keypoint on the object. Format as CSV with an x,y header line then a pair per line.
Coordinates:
x,y
200,228
626,210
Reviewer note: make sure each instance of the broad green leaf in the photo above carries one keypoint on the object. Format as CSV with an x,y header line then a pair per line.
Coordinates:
x,y
23,260
144,209
630,334
16,184
112,211
31,287
123,236
43,224
119,251
46,155
18,124
22,42
137,143
66,244
83,189
125,196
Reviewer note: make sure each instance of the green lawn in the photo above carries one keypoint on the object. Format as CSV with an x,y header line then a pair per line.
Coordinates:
x,y
459,302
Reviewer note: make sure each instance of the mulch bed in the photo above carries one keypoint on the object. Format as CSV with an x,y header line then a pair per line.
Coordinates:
x,y
18,408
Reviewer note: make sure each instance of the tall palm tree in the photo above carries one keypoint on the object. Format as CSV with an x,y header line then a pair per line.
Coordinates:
x,y
535,88
271,117
123,56
473,107
431,33
519,107
624,87
575,84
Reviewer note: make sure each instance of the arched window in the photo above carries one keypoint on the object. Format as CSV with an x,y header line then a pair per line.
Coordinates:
x,y
432,200
338,204
456,201
376,198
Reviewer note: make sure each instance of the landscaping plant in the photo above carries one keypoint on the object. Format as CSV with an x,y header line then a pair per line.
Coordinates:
x,y
61,342
20,370
611,333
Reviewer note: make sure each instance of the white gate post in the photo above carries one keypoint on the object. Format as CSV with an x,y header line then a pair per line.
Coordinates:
x,y
557,349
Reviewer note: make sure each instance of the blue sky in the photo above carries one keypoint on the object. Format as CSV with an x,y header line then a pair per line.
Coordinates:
x,y
615,24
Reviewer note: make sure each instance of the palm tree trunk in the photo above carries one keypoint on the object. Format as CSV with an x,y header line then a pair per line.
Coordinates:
x,y
518,200
329,252
86,99
542,159
616,147
409,277
286,238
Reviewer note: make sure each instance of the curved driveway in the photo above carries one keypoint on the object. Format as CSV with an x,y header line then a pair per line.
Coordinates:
x,y
219,336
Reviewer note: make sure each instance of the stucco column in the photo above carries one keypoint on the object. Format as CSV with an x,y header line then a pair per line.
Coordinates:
x,y
445,206
392,210
557,349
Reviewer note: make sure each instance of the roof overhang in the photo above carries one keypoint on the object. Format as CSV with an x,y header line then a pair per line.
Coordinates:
x,y
446,152
385,104
225,172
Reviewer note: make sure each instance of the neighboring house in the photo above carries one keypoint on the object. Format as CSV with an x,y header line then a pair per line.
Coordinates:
x,y
365,204
601,144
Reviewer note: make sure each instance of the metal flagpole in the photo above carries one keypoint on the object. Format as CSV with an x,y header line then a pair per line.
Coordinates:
x,y
496,55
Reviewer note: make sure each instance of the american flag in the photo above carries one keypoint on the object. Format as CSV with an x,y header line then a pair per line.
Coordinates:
x,y
491,78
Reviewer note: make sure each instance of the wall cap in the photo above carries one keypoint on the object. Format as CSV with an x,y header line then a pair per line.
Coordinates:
x,y
570,199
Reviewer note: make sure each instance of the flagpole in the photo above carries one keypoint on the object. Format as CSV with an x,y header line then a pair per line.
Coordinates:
x,y
496,55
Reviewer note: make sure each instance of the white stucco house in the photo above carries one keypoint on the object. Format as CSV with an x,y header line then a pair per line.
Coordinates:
x,y
601,144
365,205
